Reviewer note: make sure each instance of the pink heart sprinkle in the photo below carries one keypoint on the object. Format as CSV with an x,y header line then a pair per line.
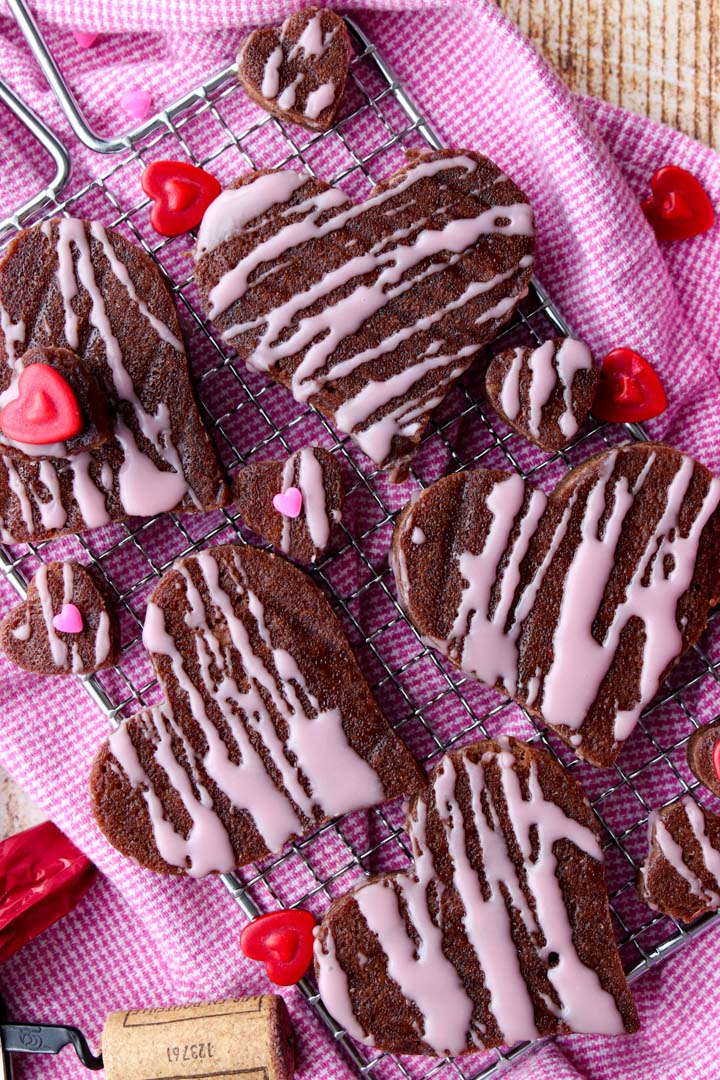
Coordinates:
x,y
84,38
288,503
69,621
137,103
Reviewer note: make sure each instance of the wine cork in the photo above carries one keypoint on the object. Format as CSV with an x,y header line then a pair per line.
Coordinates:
x,y
248,1037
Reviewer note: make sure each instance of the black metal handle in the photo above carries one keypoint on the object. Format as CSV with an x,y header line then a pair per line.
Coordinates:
x,y
47,1039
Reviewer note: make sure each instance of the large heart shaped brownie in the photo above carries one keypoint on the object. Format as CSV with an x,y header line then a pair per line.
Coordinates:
x,y
82,287
267,729
299,71
369,312
681,874
501,931
37,635
578,605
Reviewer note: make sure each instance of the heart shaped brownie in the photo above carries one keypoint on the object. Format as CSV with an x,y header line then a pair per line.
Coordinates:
x,y
501,930
369,312
267,729
576,605
64,627
681,874
301,528
75,285
546,393
299,71
703,756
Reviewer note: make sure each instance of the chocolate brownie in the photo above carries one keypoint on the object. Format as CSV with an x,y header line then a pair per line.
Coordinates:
x,y
701,755
298,72
42,636
500,931
267,729
293,503
75,285
97,422
576,605
544,393
369,312
681,874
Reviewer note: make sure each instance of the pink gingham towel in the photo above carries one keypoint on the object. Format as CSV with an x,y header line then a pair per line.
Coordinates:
x,y
136,939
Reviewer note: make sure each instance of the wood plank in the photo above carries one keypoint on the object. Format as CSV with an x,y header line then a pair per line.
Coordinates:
x,y
658,58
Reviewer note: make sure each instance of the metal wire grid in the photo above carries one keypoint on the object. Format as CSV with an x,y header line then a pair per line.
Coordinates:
x,y
431,705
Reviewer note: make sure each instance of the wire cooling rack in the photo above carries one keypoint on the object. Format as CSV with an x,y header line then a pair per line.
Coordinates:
x,y
432,705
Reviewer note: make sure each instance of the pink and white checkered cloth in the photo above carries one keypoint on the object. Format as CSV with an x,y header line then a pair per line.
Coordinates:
x,y
139,940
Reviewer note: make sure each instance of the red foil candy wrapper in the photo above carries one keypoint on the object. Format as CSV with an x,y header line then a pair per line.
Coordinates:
x,y
42,877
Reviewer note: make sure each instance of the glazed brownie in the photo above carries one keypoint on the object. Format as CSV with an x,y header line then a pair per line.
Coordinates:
x,y
681,874
298,72
268,727
576,605
368,312
546,393
303,529
37,634
75,285
501,931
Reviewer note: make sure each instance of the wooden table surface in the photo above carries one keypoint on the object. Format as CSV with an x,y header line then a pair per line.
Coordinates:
x,y
659,58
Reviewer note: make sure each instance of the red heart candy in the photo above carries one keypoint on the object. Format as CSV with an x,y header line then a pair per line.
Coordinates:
x,y
45,411
716,758
679,206
181,193
283,940
629,389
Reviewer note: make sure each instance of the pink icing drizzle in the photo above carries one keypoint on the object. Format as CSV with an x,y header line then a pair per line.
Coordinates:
x,y
547,364
424,974
234,208
673,852
339,779
319,100
486,647
581,662
321,333
144,489
271,74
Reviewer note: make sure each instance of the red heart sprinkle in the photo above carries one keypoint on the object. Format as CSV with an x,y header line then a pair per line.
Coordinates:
x,y
45,411
629,390
679,206
181,194
716,758
283,940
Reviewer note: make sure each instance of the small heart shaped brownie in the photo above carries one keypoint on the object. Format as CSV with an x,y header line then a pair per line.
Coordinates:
x,y
75,286
545,393
293,504
576,605
681,874
53,407
64,627
703,756
500,931
267,729
369,312
299,71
